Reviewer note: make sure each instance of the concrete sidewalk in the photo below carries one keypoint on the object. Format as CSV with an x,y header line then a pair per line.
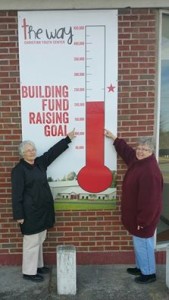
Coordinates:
x,y
94,282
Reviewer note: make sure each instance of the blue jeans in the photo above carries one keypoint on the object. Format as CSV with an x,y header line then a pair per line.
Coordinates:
x,y
145,254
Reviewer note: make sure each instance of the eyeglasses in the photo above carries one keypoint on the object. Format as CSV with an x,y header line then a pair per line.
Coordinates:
x,y
143,149
30,150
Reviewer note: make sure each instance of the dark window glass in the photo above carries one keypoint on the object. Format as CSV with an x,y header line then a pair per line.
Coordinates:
x,y
163,227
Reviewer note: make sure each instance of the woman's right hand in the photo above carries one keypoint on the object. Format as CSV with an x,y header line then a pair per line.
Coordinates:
x,y
109,134
20,221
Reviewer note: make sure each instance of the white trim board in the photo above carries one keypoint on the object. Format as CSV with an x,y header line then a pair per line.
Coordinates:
x,y
80,4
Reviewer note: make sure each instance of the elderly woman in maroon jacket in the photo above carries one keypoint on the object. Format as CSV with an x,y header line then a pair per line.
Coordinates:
x,y
33,205
141,202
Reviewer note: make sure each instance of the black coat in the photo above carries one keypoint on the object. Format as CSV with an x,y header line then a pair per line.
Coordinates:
x,y
32,199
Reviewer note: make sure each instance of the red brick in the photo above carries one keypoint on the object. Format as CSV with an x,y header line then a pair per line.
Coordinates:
x,y
90,231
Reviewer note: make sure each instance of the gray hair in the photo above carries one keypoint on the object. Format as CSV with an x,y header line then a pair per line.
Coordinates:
x,y
22,145
148,141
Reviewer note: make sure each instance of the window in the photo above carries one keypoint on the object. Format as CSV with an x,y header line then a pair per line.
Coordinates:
x,y
163,228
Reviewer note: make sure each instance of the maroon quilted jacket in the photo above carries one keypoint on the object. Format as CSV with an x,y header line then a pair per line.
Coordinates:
x,y
141,191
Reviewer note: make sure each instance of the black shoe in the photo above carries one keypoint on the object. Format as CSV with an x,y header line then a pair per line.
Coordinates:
x,y
146,278
134,271
35,278
43,270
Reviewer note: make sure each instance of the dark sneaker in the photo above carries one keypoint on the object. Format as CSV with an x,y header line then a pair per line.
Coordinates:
x,y
43,270
146,278
134,271
35,278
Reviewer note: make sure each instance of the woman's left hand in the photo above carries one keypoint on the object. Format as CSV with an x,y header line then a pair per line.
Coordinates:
x,y
139,227
71,134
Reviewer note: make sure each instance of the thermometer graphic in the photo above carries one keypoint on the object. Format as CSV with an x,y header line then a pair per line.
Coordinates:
x,y
95,177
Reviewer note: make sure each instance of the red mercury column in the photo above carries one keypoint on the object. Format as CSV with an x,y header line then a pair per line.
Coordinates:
x,y
95,177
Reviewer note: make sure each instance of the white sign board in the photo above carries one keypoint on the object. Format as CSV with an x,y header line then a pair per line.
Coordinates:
x,y
68,77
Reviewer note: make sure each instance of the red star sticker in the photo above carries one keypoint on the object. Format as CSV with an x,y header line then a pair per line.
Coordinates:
x,y
111,88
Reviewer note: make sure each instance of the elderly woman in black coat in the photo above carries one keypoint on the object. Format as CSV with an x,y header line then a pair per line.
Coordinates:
x,y
32,203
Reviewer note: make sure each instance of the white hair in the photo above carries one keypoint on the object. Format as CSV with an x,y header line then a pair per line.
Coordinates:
x,y
148,141
22,146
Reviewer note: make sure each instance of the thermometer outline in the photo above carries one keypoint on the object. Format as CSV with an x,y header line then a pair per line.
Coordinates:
x,y
95,177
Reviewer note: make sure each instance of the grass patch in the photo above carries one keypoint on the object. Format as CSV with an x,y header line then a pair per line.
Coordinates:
x,y
85,204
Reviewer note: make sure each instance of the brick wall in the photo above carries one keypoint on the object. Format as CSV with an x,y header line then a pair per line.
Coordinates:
x,y
99,236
